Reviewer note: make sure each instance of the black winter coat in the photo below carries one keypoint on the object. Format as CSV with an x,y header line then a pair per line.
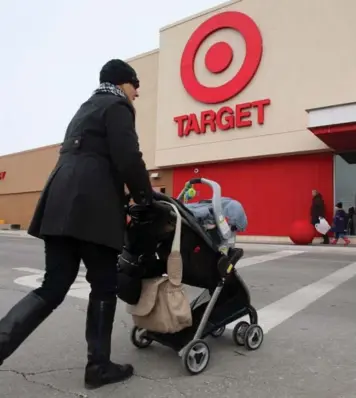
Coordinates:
x,y
317,209
84,196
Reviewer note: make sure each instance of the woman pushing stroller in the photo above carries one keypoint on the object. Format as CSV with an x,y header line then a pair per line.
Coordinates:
x,y
81,216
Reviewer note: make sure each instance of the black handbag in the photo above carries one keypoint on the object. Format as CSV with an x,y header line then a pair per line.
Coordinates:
x,y
131,270
128,278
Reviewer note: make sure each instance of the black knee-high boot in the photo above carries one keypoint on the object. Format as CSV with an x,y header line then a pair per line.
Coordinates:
x,y
100,370
23,318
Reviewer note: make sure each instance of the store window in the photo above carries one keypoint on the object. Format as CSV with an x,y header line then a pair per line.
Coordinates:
x,y
345,188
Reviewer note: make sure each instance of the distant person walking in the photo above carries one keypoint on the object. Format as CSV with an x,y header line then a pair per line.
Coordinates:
x,y
351,221
317,211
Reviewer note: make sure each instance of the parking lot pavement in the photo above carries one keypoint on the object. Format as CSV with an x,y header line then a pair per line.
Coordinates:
x,y
306,303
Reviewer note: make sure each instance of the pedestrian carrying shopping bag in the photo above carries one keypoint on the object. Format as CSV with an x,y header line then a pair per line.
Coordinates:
x,y
323,226
164,306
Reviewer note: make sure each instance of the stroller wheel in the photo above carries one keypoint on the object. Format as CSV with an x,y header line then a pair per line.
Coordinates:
x,y
139,339
253,337
218,332
196,357
239,333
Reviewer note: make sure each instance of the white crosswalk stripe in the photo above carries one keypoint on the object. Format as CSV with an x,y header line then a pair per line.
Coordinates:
x,y
276,313
80,289
246,262
269,317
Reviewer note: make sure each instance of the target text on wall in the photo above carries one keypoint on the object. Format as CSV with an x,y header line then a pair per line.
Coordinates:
x,y
226,118
218,58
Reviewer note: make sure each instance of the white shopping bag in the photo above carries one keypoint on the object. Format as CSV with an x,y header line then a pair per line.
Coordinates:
x,y
323,227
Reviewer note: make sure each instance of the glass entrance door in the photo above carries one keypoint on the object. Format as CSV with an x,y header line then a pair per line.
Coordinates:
x,y
345,188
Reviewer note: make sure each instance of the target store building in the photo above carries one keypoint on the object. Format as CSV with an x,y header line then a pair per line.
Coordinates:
x,y
257,95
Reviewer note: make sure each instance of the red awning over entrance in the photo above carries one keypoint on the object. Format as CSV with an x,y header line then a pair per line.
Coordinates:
x,y
339,137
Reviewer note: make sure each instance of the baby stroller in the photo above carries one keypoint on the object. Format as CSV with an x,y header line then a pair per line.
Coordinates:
x,y
209,258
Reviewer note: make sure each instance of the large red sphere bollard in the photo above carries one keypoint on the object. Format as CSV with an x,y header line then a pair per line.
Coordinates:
x,y
302,232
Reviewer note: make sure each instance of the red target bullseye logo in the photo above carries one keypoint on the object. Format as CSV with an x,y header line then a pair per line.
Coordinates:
x,y
219,57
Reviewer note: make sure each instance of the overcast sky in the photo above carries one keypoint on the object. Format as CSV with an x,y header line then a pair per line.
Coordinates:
x,y
52,51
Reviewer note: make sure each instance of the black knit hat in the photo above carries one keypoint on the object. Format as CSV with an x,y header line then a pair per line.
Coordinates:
x,y
118,72
339,205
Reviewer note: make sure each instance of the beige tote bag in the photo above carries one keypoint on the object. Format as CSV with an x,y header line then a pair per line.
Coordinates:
x,y
163,306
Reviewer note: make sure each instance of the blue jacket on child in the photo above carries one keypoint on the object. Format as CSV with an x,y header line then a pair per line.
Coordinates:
x,y
339,222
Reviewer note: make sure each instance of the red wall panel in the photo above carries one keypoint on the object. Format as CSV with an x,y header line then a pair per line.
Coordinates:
x,y
274,191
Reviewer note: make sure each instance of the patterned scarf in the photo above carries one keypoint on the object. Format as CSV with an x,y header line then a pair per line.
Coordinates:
x,y
110,88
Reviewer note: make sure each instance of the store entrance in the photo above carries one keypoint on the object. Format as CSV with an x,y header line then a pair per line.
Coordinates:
x,y
345,188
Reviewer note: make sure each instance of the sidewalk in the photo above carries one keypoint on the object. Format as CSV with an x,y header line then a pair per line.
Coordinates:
x,y
314,248
274,243
252,243
15,234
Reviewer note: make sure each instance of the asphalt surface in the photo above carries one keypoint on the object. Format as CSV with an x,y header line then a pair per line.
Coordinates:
x,y
306,302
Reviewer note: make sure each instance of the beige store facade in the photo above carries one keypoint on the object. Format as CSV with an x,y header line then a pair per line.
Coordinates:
x,y
260,96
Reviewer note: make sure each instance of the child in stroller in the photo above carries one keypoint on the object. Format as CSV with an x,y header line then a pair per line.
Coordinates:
x,y
209,256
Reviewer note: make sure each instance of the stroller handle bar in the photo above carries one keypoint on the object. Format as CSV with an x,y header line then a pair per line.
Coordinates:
x,y
220,220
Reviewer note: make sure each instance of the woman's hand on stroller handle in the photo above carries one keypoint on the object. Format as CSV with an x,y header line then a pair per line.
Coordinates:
x,y
142,208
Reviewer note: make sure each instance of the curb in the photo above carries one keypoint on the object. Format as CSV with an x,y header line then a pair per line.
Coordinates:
x,y
270,247
273,245
16,234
